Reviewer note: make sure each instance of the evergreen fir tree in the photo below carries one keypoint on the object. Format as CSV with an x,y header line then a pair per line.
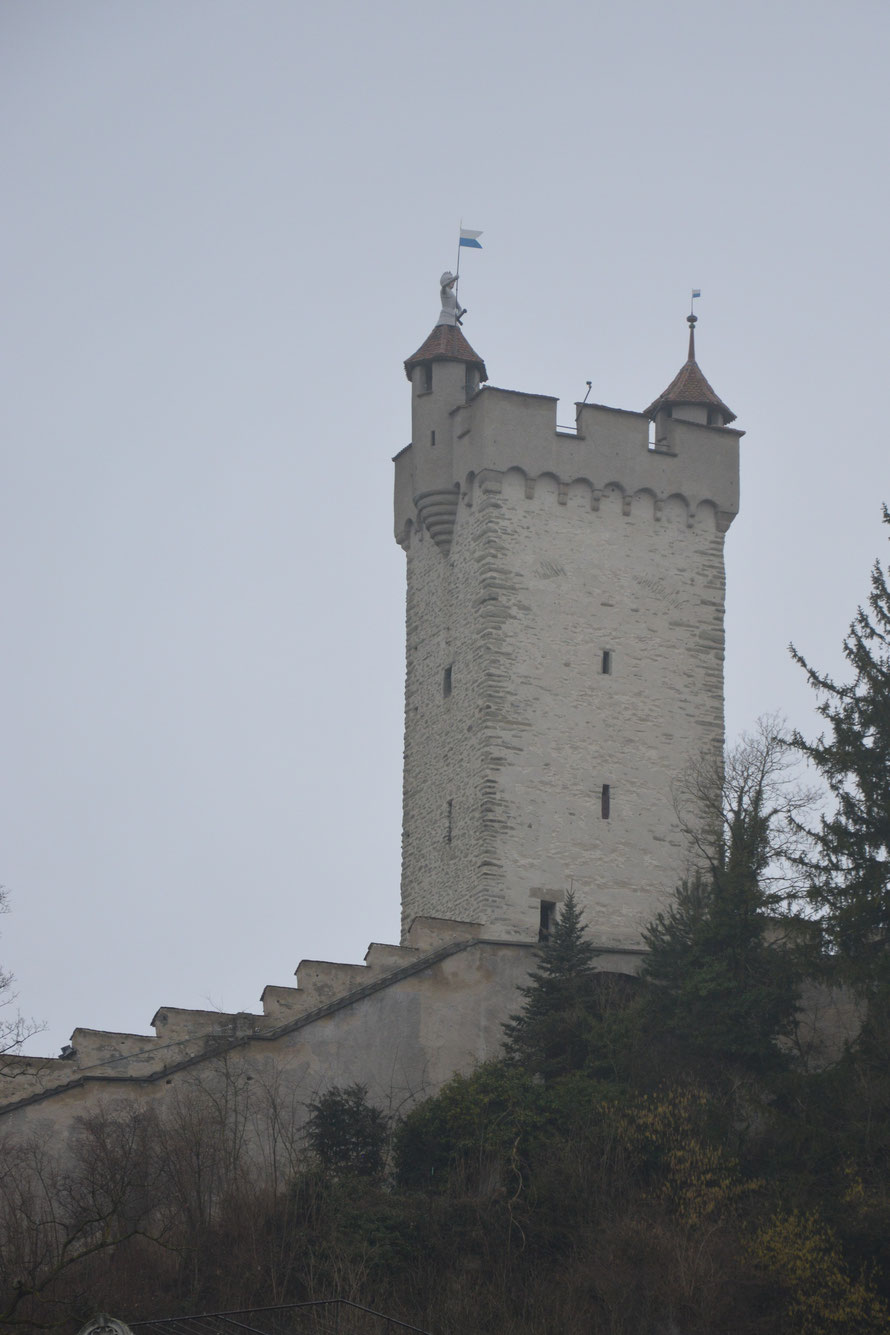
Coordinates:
x,y
849,867
346,1133
725,993
549,1034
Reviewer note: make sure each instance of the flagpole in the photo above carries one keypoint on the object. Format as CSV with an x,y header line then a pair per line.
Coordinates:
x,y
457,269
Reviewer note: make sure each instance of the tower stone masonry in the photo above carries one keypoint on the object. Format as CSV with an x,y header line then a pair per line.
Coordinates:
x,y
565,643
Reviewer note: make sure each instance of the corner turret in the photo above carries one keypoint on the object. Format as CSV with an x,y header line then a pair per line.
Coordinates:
x,y
445,373
688,397
446,343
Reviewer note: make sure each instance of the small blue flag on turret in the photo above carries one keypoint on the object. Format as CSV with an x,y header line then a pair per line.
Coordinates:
x,y
696,292
469,238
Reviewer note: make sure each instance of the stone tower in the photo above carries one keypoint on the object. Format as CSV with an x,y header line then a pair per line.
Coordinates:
x,y
564,642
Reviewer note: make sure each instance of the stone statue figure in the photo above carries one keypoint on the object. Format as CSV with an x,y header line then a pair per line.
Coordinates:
x,y
452,310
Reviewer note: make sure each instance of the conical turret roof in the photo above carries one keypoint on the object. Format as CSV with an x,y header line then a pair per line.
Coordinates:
x,y
446,344
690,386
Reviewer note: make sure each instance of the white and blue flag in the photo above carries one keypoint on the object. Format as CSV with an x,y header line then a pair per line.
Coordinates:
x,y
470,238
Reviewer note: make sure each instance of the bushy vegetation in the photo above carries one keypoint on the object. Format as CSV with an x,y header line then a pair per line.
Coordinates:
x,y
345,1133
652,1156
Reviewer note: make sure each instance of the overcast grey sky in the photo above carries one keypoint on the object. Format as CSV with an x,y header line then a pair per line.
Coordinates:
x,y
224,228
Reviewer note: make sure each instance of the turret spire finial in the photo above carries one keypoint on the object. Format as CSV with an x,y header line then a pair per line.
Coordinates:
x,y
689,392
691,319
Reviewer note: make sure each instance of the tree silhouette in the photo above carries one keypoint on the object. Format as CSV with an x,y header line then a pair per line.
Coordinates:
x,y
550,1033
849,862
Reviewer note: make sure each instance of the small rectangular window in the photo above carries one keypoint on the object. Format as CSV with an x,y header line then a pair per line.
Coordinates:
x,y
428,377
607,662
546,924
432,438
446,682
606,801
449,820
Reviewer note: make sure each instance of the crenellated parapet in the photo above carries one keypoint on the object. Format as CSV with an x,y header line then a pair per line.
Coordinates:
x,y
499,431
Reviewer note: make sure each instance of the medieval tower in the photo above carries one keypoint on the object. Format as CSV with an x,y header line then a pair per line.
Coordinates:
x,y
564,668
565,604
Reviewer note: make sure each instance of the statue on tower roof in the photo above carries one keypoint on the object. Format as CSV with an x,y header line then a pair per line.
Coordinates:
x,y
452,311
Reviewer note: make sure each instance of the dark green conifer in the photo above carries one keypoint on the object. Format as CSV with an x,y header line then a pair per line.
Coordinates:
x,y
549,1035
725,992
346,1133
849,866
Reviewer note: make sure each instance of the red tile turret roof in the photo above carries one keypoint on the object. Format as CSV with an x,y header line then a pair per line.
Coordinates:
x,y
690,386
446,344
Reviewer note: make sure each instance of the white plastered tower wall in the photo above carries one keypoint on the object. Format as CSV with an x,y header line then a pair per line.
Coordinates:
x,y
531,554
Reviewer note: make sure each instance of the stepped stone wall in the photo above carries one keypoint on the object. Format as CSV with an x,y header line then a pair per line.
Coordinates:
x,y
402,1024
409,1018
